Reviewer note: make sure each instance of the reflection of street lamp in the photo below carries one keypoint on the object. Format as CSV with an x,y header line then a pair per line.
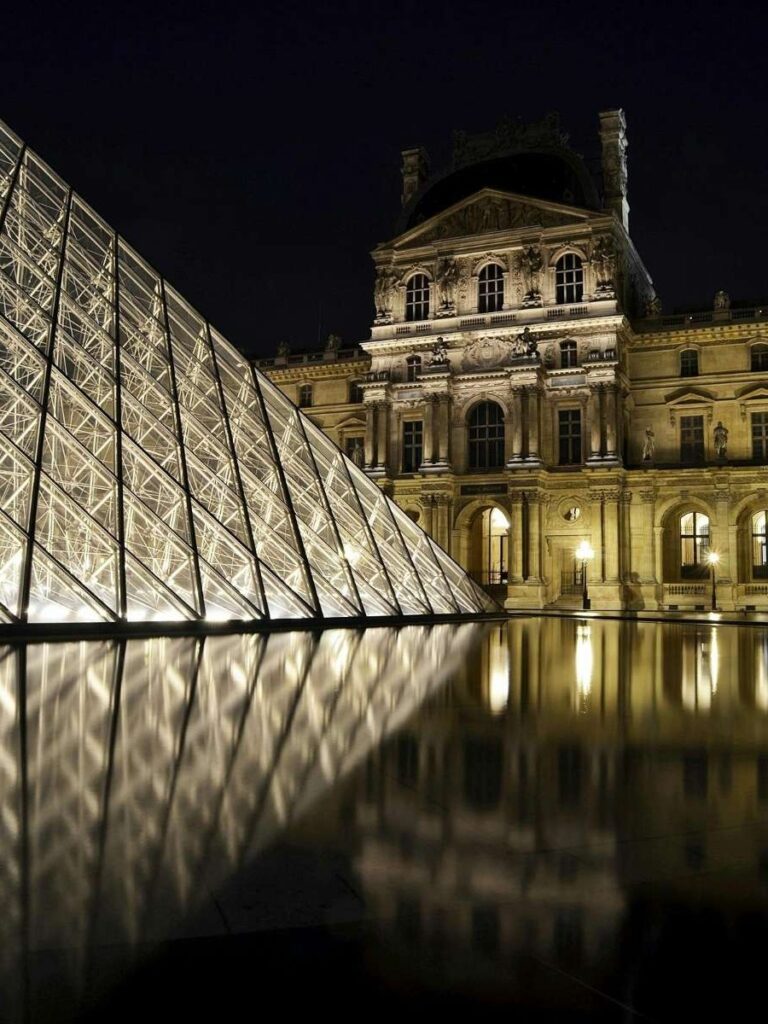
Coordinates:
x,y
584,552
713,558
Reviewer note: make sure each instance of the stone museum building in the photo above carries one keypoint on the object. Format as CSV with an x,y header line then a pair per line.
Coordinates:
x,y
522,392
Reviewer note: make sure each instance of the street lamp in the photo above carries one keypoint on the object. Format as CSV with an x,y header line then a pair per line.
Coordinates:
x,y
584,552
713,558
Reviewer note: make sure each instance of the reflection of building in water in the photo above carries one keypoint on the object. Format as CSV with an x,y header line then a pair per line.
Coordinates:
x,y
148,770
623,764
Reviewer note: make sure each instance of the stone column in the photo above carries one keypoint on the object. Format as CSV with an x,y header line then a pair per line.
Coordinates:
x,y
611,538
533,424
516,537
596,568
444,429
593,418
370,434
442,525
382,416
534,536
610,422
428,449
517,426
642,538
428,507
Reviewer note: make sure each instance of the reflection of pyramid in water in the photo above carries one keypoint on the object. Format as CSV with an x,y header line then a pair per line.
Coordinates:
x,y
147,471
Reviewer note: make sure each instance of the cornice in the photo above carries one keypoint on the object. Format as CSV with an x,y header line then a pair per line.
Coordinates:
x,y
316,371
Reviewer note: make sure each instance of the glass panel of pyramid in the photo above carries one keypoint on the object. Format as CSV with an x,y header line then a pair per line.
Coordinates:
x,y
149,472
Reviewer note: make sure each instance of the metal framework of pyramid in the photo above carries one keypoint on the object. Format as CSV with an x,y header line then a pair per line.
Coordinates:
x,y
149,472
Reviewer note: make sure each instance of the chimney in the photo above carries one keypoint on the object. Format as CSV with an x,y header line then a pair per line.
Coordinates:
x,y
415,171
613,136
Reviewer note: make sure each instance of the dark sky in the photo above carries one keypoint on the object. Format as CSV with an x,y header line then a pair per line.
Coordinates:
x,y
251,152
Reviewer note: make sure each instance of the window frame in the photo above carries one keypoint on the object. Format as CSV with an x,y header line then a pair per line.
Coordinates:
x,y
485,441
700,542
699,454
490,290
569,279
758,357
412,451
763,414
306,390
569,346
413,366
354,388
686,371
418,297
571,438
759,569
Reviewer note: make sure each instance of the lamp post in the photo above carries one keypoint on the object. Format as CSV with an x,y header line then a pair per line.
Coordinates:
x,y
584,552
713,558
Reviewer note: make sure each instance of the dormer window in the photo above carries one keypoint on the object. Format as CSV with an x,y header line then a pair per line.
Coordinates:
x,y
490,289
689,363
412,368
417,297
569,279
305,396
569,354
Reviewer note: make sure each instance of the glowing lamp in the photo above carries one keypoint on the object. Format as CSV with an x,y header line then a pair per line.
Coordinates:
x,y
584,551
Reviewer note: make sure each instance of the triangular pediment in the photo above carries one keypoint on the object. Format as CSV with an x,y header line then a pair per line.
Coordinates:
x,y
689,396
491,211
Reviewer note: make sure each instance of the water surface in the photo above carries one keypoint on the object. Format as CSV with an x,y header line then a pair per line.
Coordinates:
x,y
546,816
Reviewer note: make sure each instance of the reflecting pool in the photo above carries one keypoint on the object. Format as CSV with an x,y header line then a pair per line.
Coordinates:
x,y
563,817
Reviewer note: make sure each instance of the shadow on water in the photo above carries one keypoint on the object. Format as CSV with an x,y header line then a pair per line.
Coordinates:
x,y
564,818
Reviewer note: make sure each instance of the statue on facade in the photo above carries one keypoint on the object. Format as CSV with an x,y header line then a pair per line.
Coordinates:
x,y
525,344
529,263
604,262
283,349
332,343
439,355
357,453
721,440
385,291
446,276
721,301
649,445
652,306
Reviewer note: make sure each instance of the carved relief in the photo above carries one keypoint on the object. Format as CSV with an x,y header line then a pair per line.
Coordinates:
x,y
529,263
493,213
604,263
484,353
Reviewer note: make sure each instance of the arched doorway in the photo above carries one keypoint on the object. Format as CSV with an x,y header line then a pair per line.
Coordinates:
x,y
489,549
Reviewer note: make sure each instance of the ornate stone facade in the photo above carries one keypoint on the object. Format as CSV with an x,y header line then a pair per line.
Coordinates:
x,y
563,405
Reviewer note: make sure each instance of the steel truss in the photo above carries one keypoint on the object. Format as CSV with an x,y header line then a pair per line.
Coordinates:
x,y
148,471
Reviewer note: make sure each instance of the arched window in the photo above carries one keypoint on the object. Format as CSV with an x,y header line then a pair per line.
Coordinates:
x,y
760,545
412,368
694,544
569,279
490,289
355,392
758,358
486,436
417,298
689,363
569,354
305,396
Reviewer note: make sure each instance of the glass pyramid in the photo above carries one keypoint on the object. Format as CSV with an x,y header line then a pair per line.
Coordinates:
x,y
148,471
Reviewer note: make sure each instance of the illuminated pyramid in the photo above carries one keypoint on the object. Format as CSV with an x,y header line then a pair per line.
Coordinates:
x,y
148,471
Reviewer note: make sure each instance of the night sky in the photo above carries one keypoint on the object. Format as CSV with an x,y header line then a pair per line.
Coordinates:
x,y
251,152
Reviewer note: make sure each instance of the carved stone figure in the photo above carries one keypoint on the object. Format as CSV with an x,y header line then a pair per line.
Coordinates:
x,y
447,276
357,453
385,291
604,262
722,301
486,352
652,306
283,349
721,440
529,262
649,445
525,344
439,355
332,343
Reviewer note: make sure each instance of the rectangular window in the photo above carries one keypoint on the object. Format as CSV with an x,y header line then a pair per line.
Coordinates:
x,y
569,424
413,440
760,436
569,355
691,439
689,363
